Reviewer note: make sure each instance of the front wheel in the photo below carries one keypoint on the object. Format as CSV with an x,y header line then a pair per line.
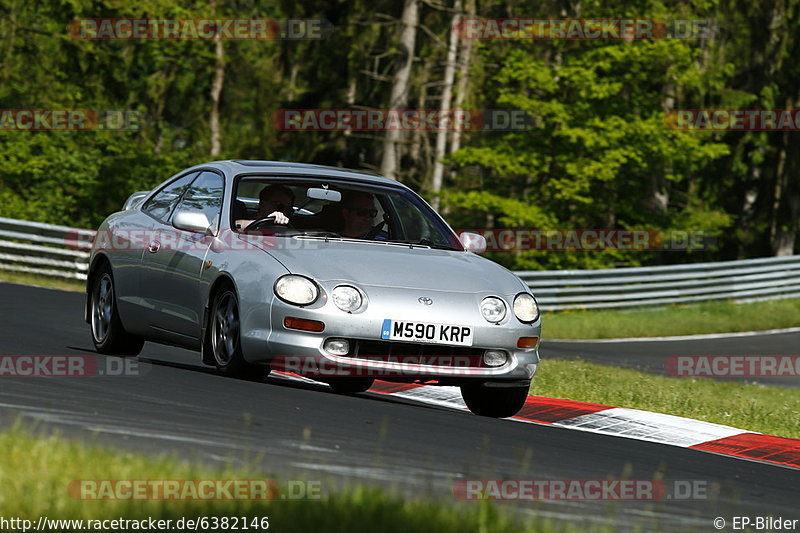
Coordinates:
x,y
108,334
223,339
496,402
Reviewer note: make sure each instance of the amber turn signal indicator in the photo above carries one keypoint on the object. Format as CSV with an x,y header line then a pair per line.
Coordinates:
x,y
303,324
527,342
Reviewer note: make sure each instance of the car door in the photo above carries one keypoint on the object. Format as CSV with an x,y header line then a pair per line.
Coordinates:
x,y
175,269
123,241
159,209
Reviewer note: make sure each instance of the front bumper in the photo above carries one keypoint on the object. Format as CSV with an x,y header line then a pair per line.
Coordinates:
x,y
303,351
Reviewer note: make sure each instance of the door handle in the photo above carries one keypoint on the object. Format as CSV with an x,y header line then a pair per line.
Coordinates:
x,y
154,246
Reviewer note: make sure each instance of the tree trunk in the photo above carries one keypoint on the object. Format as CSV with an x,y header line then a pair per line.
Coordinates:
x,y
444,106
659,193
420,166
749,199
352,89
216,90
783,226
398,98
293,72
465,59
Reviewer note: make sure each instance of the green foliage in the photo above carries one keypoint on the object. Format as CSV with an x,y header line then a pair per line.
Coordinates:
x,y
598,153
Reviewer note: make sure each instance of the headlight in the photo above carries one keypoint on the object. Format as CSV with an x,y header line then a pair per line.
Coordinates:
x,y
347,298
525,308
493,309
296,289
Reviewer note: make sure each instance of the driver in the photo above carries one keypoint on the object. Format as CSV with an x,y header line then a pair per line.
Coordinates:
x,y
273,201
358,213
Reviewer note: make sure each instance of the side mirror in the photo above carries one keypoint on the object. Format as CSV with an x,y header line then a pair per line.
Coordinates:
x,y
315,193
194,221
134,199
473,242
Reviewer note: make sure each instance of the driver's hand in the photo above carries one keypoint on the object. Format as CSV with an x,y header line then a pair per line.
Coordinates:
x,y
280,218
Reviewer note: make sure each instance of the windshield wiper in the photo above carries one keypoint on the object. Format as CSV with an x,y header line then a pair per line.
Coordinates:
x,y
321,234
429,244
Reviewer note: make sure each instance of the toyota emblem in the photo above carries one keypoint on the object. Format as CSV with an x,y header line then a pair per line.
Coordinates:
x,y
424,300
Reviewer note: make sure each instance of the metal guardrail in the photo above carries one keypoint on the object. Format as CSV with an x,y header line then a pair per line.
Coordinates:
x,y
744,280
44,249
61,251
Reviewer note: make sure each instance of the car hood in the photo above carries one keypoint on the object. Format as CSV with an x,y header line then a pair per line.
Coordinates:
x,y
392,265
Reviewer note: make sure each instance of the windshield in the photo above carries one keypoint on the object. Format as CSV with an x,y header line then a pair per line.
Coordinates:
x,y
363,212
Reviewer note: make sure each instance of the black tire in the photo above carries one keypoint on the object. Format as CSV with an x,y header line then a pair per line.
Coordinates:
x,y
223,337
108,333
350,385
496,402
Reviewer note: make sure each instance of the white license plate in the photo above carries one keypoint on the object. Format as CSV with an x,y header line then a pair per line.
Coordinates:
x,y
407,330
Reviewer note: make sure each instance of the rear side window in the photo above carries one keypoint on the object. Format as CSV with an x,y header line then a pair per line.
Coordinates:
x,y
163,203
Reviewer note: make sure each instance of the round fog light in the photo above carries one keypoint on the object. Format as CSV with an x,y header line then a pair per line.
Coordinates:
x,y
337,346
495,358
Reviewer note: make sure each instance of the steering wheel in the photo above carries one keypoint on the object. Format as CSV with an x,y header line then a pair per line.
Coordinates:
x,y
265,220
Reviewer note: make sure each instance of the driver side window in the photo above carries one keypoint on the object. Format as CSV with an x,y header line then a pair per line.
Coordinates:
x,y
163,203
205,195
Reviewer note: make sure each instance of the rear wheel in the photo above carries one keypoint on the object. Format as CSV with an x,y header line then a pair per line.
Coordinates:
x,y
350,385
108,334
497,402
223,338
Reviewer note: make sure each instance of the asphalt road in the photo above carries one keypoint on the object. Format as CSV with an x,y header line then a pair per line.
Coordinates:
x,y
653,356
302,431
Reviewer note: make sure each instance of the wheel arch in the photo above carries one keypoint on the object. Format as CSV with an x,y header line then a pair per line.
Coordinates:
x,y
222,280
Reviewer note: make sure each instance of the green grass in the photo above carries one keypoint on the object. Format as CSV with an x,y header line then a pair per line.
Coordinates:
x,y
708,317
35,472
748,406
42,281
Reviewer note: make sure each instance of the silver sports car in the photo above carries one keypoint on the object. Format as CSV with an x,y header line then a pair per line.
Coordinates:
x,y
337,275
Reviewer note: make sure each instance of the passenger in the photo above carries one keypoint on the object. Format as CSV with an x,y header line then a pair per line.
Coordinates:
x,y
358,213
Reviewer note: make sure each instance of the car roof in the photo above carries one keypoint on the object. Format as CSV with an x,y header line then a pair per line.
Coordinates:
x,y
238,166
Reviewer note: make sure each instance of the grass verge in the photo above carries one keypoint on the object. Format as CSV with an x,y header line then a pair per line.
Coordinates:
x,y
748,406
36,472
26,278
707,317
